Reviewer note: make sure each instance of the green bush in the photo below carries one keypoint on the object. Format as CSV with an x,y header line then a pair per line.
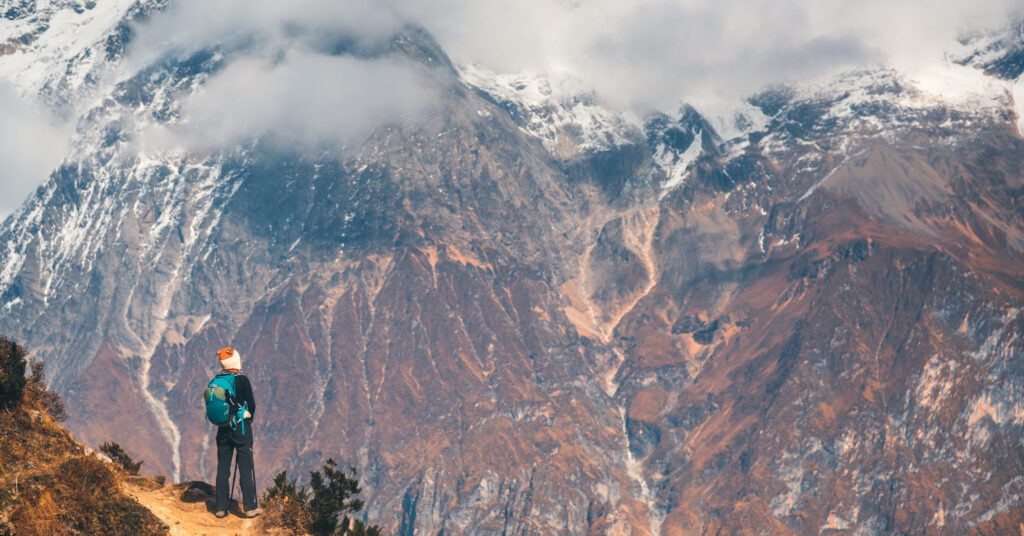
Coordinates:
x,y
331,498
120,457
12,372
323,509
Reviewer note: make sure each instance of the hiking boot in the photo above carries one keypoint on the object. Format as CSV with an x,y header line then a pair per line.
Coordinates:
x,y
221,514
253,513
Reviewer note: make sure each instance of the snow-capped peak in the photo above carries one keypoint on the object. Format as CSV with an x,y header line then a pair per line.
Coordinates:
x,y
55,47
567,121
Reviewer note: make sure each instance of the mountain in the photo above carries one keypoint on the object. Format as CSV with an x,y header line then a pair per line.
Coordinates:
x,y
530,313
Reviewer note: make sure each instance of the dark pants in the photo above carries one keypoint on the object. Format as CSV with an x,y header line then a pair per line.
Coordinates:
x,y
229,440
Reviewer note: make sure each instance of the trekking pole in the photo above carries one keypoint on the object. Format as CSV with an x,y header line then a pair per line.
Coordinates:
x,y
231,490
254,478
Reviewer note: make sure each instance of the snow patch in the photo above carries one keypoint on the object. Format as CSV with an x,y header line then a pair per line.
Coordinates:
x,y
62,45
822,181
676,166
958,85
566,119
786,241
9,305
163,417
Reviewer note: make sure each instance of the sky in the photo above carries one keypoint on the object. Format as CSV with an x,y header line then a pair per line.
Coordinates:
x,y
639,56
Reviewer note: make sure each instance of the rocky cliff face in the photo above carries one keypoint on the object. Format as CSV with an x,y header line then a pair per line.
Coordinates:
x,y
527,314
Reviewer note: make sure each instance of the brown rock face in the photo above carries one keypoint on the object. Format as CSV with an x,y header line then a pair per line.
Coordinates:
x,y
502,341
850,377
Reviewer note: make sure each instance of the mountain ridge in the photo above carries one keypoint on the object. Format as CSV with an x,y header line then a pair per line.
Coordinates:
x,y
529,314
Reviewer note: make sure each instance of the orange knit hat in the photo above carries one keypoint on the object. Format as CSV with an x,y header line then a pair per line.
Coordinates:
x,y
230,358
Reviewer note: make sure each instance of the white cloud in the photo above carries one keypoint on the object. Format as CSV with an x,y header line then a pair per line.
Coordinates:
x,y
638,55
262,24
655,53
300,74
32,145
303,100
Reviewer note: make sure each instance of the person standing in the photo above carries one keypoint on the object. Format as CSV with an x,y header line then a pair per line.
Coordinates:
x,y
236,438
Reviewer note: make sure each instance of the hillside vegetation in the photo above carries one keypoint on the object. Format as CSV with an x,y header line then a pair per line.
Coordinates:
x,y
49,483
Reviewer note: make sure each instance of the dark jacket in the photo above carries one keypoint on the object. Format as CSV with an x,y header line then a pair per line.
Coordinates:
x,y
243,393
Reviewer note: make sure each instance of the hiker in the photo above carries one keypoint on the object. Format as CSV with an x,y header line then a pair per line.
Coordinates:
x,y
230,405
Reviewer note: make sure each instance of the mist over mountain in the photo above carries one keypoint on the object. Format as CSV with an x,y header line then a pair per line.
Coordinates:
x,y
573,288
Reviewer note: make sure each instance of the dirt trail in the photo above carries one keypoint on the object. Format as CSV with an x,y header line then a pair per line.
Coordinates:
x,y
190,518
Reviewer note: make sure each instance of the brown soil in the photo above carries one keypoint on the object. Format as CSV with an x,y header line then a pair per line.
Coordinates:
x,y
191,518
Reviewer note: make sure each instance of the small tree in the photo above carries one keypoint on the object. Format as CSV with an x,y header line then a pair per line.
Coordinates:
x,y
12,372
323,510
331,498
120,457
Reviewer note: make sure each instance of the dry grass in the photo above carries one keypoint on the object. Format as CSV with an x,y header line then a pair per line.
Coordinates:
x,y
49,485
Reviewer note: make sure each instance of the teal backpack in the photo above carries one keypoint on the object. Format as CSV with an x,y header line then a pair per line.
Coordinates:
x,y
222,408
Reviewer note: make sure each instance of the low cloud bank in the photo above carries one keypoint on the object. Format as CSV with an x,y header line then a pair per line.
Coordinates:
x,y
654,54
301,75
306,100
292,87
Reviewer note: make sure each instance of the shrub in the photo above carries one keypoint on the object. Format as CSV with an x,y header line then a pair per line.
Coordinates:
x,y
12,372
331,492
120,457
285,505
317,510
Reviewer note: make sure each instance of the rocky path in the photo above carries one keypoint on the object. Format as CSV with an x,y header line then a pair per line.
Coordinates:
x,y
188,509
